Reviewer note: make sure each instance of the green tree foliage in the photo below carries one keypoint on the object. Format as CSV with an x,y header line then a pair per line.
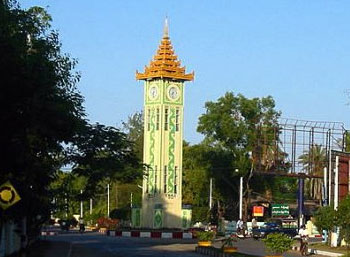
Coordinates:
x,y
44,123
325,219
40,107
134,131
313,162
241,133
343,220
195,181
101,152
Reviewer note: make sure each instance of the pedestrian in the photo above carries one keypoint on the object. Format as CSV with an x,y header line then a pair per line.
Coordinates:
x,y
254,223
81,225
303,240
239,226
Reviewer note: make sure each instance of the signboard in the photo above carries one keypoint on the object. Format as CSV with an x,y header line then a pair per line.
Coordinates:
x,y
280,210
258,211
8,195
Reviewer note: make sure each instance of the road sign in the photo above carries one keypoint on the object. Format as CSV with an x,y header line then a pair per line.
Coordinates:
x,y
8,195
280,210
258,211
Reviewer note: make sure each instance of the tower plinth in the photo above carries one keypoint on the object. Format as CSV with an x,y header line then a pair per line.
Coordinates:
x,y
163,135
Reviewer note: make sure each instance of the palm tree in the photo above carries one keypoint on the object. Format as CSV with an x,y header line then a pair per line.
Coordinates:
x,y
313,161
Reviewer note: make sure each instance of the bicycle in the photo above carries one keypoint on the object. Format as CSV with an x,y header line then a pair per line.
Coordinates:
x,y
304,246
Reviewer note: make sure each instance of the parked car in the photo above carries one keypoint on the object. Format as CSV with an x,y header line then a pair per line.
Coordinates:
x,y
273,227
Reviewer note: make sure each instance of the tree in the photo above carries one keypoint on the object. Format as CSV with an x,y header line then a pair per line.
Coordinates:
x,y
235,124
313,162
325,219
40,106
195,182
134,131
100,152
43,121
343,220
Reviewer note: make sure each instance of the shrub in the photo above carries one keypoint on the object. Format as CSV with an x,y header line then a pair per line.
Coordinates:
x,y
229,241
122,213
278,243
107,223
205,235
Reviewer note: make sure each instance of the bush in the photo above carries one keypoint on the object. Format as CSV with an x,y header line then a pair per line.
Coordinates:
x,y
229,241
278,243
205,235
122,213
107,223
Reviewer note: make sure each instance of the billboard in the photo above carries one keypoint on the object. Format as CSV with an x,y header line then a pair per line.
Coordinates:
x,y
258,211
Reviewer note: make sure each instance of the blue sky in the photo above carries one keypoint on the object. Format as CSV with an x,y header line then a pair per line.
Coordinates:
x,y
296,51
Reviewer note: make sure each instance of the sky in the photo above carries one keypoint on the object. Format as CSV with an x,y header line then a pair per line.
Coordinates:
x,y
297,51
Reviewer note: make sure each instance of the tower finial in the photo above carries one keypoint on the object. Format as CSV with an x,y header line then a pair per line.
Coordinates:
x,y
166,28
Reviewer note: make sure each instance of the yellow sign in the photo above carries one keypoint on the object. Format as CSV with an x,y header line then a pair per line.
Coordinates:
x,y
8,195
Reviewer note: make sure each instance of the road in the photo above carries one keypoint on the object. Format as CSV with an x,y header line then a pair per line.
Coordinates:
x,y
96,245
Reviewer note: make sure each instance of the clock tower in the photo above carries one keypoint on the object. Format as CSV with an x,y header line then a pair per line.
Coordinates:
x,y
163,135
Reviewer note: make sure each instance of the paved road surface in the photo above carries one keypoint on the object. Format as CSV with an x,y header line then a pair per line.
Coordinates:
x,y
96,245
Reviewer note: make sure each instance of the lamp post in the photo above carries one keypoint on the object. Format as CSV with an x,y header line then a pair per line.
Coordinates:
x,y
81,204
240,195
108,200
211,194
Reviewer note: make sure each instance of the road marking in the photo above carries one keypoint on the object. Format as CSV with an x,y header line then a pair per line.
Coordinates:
x,y
70,250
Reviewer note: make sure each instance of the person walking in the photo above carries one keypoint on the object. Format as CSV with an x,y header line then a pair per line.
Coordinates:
x,y
81,225
303,240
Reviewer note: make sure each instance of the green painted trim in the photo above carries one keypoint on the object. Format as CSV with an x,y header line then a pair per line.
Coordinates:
x,y
151,174
158,218
171,153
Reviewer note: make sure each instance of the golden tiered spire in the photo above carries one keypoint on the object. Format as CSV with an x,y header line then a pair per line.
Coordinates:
x,y
165,63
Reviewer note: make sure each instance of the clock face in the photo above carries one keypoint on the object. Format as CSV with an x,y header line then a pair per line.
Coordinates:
x,y
153,92
173,92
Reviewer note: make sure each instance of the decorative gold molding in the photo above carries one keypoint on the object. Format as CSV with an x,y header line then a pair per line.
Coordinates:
x,y
165,65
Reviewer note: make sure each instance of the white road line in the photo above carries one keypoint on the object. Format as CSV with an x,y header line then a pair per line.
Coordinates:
x,y
70,250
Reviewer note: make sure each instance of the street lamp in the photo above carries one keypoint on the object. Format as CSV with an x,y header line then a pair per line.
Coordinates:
x,y
240,195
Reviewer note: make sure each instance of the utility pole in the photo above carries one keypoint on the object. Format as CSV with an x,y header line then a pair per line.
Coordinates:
x,y
90,206
108,200
211,194
81,204
240,198
325,194
130,200
335,234
330,177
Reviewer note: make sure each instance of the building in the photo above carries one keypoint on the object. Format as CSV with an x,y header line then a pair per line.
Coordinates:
x,y
163,136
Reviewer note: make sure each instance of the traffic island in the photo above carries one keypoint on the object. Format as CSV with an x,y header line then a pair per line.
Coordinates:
x,y
212,251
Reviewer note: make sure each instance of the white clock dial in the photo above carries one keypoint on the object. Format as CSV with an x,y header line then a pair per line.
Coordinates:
x,y
153,92
173,93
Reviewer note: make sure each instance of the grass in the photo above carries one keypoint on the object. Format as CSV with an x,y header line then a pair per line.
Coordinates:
x,y
324,247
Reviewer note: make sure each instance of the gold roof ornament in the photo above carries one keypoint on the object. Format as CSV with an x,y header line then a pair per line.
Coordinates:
x,y
165,63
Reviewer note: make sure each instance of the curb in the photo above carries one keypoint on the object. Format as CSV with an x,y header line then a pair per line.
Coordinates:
x,y
211,251
150,234
320,252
